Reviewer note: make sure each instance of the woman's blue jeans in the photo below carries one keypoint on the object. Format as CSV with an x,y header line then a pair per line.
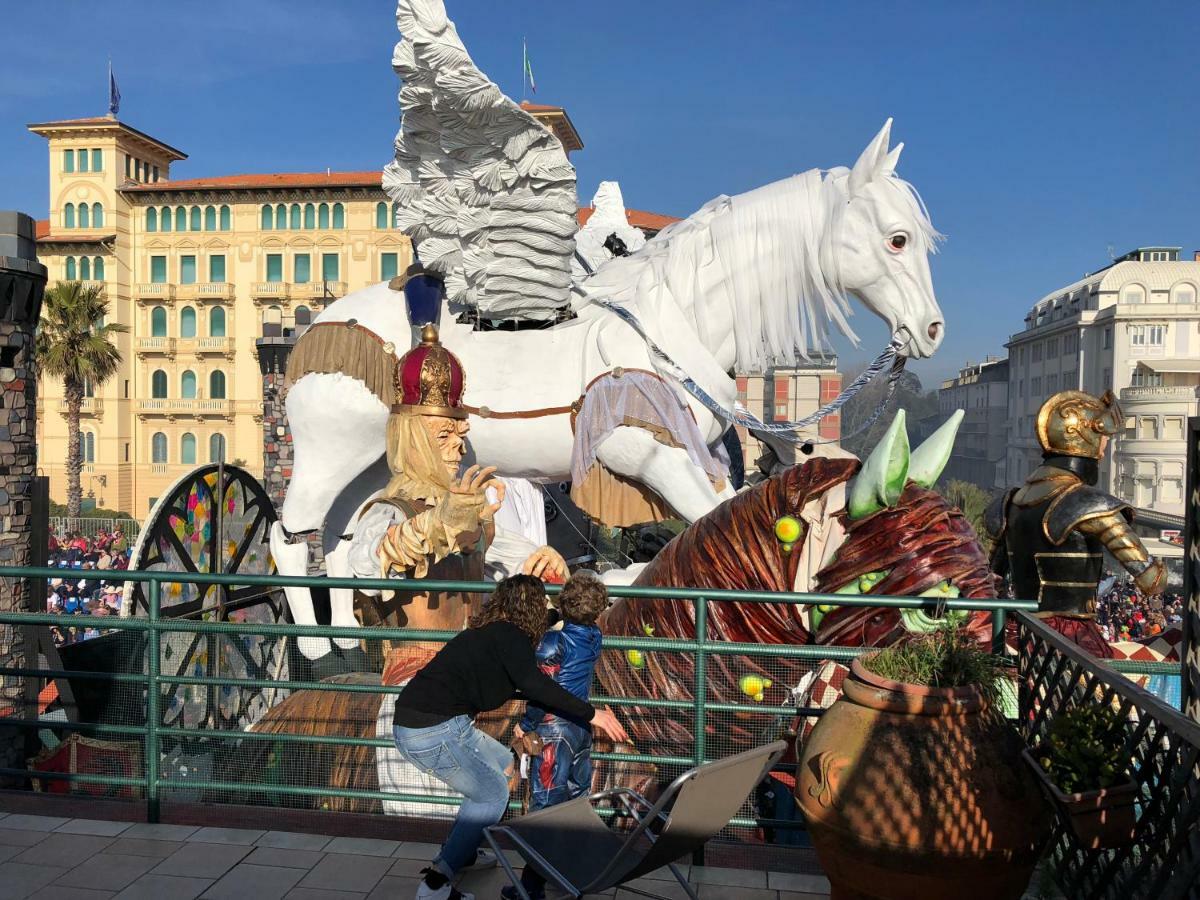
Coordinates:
x,y
473,764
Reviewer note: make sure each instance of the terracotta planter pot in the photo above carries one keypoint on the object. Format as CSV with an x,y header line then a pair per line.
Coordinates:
x,y
915,793
1099,819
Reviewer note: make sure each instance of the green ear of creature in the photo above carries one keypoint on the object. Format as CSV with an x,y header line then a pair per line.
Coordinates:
x,y
880,481
931,457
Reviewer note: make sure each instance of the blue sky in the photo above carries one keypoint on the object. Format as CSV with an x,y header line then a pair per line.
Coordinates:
x,y
1039,134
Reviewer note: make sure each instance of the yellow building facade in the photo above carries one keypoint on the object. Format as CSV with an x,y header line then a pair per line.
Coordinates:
x,y
198,270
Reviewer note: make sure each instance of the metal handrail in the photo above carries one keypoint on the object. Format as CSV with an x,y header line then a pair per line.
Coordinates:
x,y
158,623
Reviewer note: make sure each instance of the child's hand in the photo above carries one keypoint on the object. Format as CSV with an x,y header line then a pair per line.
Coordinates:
x,y
607,724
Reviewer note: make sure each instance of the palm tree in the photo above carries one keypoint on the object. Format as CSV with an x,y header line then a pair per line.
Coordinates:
x,y
73,343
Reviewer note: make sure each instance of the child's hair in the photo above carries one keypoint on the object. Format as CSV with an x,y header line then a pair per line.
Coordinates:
x,y
520,600
583,599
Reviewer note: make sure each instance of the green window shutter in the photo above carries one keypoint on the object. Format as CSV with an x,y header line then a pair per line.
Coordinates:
x,y
226,224
187,322
216,448
329,266
323,215
97,215
158,270
83,160
155,178
274,267
180,219
69,216
267,219
194,224
158,447
187,449
152,219
381,215
187,270
85,269
98,268
387,266
164,219
68,160
310,216
216,268
187,385
158,385
158,322
84,215
210,218
216,385
97,160
303,268
294,217
216,322
339,216
128,166
70,269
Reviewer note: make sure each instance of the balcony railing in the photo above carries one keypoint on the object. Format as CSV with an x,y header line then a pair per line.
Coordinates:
x,y
271,290
91,406
178,407
159,292
216,290
149,345
315,290
1187,393
202,345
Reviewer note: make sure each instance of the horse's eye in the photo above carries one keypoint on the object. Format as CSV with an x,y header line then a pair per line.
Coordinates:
x,y
898,241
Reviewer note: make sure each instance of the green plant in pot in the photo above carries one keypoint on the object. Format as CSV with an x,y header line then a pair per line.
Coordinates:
x,y
1084,765
912,783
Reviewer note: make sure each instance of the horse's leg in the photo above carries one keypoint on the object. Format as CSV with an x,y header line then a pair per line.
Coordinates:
x,y
635,454
341,600
292,559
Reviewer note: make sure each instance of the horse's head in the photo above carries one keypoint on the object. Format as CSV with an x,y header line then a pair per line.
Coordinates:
x,y
882,248
902,539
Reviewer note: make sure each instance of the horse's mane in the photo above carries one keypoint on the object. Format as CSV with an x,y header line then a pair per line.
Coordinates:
x,y
768,244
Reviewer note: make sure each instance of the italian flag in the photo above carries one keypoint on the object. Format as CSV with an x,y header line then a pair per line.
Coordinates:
x,y
528,67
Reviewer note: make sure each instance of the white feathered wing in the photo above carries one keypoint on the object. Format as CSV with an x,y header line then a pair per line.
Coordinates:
x,y
482,188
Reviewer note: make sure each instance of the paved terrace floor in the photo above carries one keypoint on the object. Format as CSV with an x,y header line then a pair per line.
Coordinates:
x,y
54,858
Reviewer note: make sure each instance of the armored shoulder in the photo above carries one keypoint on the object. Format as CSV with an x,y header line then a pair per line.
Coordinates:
x,y
1078,505
995,517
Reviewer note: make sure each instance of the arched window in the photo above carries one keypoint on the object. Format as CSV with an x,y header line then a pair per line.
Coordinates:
x,y
272,318
294,217
303,316
164,218
210,218
84,215
152,219
1133,293
339,216
69,216
1184,293
323,215
216,322
187,385
158,384
158,322
158,447
194,219
216,448
381,218
97,215
187,449
85,269
87,446
216,385
280,215
180,218
267,218
98,268
226,218
395,212
187,322
70,269
310,216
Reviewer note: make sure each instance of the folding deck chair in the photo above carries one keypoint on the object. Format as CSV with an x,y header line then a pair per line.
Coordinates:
x,y
573,847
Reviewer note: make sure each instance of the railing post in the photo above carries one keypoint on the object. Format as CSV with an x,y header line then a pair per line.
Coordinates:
x,y
700,698
999,621
153,697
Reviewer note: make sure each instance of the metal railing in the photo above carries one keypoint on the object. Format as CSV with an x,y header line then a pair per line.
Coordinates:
x,y
1163,748
90,527
157,626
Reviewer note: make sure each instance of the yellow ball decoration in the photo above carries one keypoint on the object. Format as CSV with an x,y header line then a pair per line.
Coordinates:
x,y
788,530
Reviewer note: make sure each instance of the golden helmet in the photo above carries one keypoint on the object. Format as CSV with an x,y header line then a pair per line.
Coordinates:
x,y
1073,423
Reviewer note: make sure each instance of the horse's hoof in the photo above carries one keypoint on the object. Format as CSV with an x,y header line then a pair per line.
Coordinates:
x,y
340,662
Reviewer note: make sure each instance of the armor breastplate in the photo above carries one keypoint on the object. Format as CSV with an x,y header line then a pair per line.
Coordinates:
x,y
1062,578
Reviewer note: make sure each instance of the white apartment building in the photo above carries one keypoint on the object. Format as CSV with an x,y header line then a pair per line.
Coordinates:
x,y
981,448
1132,327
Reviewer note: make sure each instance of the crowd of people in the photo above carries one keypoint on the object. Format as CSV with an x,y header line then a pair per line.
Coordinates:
x,y
1125,615
88,586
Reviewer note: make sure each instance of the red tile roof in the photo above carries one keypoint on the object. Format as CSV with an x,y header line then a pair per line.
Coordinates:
x,y
41,228
42,128
637,218
272,180
539,107
75,237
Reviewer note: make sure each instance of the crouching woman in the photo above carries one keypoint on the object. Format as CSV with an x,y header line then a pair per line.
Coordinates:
x,y
480,670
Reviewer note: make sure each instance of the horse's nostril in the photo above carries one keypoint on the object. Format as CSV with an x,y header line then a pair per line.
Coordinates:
x,y
935,328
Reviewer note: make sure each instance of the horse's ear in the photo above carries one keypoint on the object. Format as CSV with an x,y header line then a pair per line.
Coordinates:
x,y
889,162
880,481
928,460
871,162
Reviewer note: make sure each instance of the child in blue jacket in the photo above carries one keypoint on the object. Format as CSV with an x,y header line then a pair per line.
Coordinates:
x,y
564,769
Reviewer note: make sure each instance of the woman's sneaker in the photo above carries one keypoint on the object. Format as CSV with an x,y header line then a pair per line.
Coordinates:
x,y
437,886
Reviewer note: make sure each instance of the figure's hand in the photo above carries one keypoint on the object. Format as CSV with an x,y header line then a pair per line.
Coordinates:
x,y
547,564
605,722
474,484
518,732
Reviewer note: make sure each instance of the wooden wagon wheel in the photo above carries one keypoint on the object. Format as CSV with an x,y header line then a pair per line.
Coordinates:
x,y
217,518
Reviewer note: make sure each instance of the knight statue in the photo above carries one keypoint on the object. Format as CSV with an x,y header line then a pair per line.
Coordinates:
x,y
1051,532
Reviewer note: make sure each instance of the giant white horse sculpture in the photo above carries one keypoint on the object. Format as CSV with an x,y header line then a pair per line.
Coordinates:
x,y
745,282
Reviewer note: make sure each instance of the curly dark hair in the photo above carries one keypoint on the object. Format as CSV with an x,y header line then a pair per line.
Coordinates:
x,y
583,599
520,600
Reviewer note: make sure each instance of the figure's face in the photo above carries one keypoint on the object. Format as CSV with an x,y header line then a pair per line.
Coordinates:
x,y
450,436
